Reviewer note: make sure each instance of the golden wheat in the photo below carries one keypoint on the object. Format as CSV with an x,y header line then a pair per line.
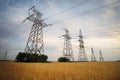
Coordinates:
x,y
60,71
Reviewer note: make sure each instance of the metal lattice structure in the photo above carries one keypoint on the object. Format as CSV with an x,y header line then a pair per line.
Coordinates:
x,y
35,43
67,48
82,55
93,58
101,56
3,55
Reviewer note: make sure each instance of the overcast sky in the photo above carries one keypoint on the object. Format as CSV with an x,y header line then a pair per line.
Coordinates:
x,y
99,21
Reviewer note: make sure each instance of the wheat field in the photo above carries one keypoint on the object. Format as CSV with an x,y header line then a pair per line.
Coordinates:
x,y
60,71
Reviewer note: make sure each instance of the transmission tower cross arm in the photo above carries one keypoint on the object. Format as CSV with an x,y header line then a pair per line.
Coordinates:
x,y
44,24
31,18
32,9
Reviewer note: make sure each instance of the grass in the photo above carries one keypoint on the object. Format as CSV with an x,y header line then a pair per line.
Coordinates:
x,y
60,71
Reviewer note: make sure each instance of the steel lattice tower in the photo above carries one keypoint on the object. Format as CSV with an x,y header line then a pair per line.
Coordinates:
x,y
93,55
35,43
5,56
101,56
67,48
82,55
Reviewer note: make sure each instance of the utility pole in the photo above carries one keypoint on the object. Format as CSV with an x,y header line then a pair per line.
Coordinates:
x,y
82,55
5,55
93,55
67,47
35,43
101,56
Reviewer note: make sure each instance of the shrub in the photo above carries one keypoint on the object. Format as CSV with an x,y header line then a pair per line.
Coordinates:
x,y
63,59
42,58
28,57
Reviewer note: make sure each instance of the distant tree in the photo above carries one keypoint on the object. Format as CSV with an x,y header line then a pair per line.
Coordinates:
x,y
63,59
28,57
20,57
42,58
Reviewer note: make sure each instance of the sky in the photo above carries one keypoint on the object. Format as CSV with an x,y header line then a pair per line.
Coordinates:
x,y
99,21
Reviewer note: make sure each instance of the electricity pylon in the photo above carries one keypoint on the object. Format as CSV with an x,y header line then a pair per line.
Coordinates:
x,y
5,56
101,56
93,55
35,43
82,55
67,48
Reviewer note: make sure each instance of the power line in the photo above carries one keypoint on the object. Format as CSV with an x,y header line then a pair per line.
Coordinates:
x,y
99,36
98,32
90,11
105,28
104,32
77,15
61,12
108,30
81,13
13,29
86,35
